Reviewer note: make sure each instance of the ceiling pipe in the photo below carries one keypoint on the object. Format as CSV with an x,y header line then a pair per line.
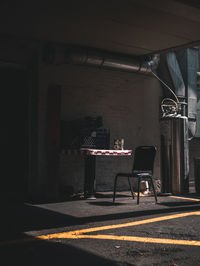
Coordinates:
x,y
58,55
107,61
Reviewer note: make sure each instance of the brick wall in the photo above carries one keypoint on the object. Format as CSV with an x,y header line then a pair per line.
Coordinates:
x,y
128,103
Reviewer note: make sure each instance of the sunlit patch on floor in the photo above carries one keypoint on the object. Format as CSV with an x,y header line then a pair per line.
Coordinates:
x,y
81,234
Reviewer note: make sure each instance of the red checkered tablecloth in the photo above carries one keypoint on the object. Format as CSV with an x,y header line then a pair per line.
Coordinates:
x,y
98,152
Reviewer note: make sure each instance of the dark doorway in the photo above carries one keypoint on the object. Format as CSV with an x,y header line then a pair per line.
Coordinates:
x,y
14,99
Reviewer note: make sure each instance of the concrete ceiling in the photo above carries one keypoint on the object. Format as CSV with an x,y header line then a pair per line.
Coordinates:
x,y
134,27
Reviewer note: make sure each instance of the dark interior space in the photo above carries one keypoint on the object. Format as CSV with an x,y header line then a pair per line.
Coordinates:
x,y
14,99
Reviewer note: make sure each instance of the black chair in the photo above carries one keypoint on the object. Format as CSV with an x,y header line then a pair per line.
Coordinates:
x,y
142,169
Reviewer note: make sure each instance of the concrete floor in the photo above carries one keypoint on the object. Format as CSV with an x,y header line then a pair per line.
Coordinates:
x,y
126,237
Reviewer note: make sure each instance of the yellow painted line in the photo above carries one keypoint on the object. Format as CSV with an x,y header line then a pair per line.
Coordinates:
x,y
142,239
185,198
111,237
152,220
79,233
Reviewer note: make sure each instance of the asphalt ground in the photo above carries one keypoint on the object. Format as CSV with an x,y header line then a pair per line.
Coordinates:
x,y
98,232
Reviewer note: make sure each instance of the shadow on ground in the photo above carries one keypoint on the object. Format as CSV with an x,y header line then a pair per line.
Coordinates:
x,y
19,218
45,253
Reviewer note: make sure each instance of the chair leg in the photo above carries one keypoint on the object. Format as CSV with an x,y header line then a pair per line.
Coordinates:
x,y
131,187
138,195
155,195
114,191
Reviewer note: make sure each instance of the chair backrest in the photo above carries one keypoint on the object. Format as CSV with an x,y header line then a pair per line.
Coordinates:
x,y
144,158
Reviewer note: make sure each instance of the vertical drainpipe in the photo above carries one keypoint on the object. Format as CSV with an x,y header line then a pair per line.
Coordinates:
x,y
189,65
179,127
186,89
188,62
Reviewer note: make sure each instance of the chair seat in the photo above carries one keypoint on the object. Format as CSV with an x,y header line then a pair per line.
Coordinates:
x,y
142,169
143,175
134,174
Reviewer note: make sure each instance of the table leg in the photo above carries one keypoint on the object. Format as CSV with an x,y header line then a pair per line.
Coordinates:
x,y
90,181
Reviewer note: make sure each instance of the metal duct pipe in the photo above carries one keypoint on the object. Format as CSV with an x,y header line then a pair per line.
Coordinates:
x,y
112,62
